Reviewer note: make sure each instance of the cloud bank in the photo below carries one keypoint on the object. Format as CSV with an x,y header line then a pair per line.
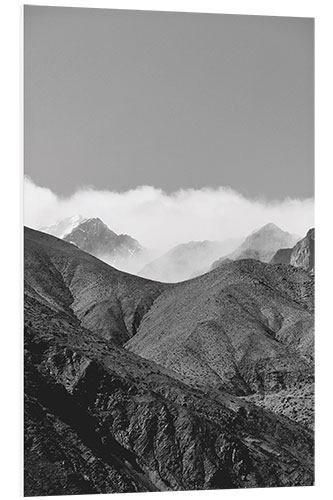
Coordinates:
x,y
161,220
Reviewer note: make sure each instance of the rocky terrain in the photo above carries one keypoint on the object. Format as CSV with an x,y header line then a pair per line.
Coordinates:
x,y
187,260
303,253
261,245
244,327
100,418
105,300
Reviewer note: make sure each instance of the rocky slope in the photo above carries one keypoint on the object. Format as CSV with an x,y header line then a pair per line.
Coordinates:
x,y
101,419
303,253
245,327
107,301
261,244
187,260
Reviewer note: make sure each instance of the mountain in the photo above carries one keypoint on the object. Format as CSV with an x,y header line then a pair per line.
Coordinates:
x,y
187,260
100,419
262,244
95,237
303,253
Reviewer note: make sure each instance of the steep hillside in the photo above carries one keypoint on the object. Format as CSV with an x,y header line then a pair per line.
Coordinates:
x,y
303,253
107,301
187,260
262,244
100,419
245,327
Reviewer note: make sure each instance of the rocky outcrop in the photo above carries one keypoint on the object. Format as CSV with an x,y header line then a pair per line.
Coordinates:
x,y
303,253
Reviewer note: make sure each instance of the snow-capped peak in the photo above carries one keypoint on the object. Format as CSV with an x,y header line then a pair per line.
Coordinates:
x,y
64,226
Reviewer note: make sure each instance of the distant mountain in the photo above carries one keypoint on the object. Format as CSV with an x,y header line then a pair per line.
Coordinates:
x,y
303,253
187,260
95,237
100,419
262,244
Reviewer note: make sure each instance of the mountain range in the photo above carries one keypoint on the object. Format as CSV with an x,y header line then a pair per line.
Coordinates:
x,y
180,263
135,385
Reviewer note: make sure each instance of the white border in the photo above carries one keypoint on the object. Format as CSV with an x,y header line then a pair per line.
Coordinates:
x,y
11,222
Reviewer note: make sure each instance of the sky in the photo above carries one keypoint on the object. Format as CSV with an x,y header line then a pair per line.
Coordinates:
x,y
115,100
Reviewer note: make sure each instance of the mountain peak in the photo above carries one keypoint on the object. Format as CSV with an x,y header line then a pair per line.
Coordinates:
x,y
94,222
268,228
271,225
262,244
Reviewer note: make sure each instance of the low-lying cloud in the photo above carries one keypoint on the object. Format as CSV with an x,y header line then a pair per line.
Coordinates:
x,y
160,220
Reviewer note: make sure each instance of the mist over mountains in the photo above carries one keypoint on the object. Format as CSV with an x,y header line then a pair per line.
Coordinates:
x,y
162,220
187,260
180,263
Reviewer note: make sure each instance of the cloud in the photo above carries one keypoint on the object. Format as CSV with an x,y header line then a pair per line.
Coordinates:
x,y
160,220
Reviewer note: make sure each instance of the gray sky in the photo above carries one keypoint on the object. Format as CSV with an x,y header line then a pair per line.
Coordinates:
x,y
116,99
